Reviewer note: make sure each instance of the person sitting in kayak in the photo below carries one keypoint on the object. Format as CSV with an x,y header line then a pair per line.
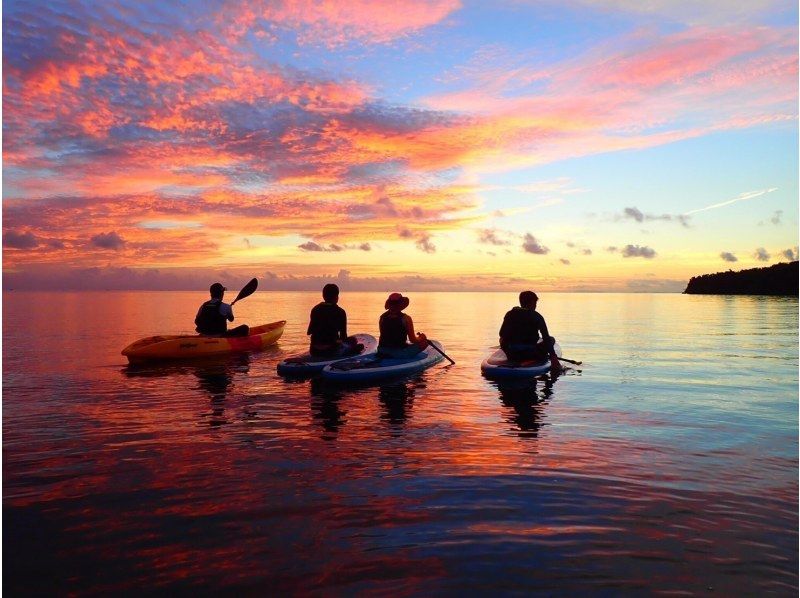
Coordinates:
x,y
395,327
328,326
519,334
213,316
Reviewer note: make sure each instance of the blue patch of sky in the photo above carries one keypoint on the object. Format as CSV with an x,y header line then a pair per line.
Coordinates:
x,y
251,185
672,178
180,191
169,224
282,241
407,69
784,15
376,172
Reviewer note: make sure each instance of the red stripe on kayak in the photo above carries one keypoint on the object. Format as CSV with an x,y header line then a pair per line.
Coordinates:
x,y
245,343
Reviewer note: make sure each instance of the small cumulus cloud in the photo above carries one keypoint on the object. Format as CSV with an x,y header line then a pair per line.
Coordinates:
x,y
634,213
26,240
611,249
424,244
586,251
761,254
727,256
312,246
776,217
365,247
564,261
637,251
531,245
790,254
489,236
639,216
107,241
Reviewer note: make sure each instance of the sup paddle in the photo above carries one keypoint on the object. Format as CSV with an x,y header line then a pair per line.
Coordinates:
x,y
442,352
560,358
247,290
569,360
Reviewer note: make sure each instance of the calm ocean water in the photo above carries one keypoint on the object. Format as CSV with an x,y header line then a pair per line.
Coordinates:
x,y
667,463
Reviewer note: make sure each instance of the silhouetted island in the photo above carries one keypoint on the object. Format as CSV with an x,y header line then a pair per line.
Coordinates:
x,y
779,279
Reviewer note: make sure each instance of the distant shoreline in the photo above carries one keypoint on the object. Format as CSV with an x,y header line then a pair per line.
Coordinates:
x,y
778,279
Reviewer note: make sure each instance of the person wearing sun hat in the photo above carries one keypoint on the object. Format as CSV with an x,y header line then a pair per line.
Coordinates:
x,y
396,327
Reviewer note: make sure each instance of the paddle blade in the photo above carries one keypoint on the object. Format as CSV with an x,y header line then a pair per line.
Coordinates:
x,y
247,290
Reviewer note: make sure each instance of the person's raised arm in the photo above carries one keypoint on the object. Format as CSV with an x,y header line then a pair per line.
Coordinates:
x,y
227,311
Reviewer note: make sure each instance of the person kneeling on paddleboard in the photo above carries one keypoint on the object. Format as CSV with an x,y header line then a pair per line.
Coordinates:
x,y
328,326
213,316
519,334
396,327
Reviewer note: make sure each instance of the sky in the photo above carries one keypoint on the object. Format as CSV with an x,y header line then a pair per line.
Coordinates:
x,y
570,145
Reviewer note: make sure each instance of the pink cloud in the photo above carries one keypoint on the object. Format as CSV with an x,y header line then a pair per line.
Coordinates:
x,y
333,23
655,91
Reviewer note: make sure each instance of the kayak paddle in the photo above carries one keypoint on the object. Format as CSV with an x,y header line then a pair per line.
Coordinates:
x,y
247,290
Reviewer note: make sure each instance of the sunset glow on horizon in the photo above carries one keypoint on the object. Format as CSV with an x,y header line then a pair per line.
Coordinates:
x,y
581,145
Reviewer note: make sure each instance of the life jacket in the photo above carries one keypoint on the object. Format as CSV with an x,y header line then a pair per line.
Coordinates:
x,y
209,320
393,331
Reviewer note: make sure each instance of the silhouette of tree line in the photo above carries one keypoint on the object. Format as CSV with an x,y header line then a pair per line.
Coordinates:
x,y
779,279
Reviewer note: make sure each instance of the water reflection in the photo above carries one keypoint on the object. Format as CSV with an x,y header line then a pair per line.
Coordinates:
x,y
397,400
326,407
215,377
525,403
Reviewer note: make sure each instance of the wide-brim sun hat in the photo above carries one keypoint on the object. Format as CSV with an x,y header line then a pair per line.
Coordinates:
x,y
398,301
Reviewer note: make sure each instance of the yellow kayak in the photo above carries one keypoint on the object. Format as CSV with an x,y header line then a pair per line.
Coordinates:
x,y
154,348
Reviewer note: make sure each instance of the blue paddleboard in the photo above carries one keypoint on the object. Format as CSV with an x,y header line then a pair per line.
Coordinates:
x,y
305,364
498,365
375,367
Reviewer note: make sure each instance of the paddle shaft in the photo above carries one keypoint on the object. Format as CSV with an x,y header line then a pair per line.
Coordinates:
x,y
247,290
442,352
570,360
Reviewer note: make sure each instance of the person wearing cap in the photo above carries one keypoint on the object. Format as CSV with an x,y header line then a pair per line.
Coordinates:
x,y
213,316
328,326
519,334
395,327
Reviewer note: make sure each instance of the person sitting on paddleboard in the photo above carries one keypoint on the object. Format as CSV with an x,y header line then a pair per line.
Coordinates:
x,y
519,334
328,326
213,316
396,327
